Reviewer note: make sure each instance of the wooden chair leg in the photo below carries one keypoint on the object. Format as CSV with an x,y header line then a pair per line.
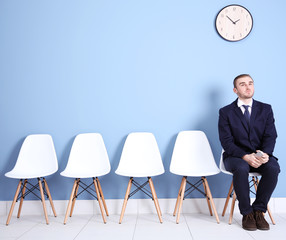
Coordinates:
x,y
255,183
75,196
22,198
125,199
184,181
157,206
211,198
207,197
155,195
102,197
43,200
178,198
227,199
14,202
70,201
270,215
232,208
50,197
99,200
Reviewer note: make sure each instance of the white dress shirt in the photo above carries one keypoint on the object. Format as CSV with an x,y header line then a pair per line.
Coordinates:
x,y
240,103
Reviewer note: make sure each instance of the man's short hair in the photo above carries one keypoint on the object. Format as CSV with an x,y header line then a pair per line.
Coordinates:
x,y
240,76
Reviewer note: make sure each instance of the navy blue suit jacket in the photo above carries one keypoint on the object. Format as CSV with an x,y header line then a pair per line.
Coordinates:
x,y
239,139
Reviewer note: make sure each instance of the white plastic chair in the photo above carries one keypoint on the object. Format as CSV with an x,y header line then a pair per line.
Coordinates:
x,y
37,159
192,156
140,158
88,159
254,181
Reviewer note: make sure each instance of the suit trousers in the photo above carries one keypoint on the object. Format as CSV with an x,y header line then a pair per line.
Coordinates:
x,y
269,177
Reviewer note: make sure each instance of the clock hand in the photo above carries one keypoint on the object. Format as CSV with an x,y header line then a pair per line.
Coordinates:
x,y
230,19
236,21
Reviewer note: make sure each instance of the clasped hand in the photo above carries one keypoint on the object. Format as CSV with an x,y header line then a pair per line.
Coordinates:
x,y
255,161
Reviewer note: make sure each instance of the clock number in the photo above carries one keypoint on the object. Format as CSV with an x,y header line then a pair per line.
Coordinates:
x,y
234,9
233,37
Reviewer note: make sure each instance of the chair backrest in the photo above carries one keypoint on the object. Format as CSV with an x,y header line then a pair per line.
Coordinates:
x,y
192,155
221,165
88,157
37,158
140,156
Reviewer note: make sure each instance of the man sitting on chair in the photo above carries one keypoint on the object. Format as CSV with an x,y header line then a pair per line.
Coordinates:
x,y
247,134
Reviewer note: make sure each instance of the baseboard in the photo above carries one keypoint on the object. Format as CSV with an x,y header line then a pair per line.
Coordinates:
x,y
134,206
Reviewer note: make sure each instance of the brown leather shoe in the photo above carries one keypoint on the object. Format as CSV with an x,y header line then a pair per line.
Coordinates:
x,y
248,222
261,223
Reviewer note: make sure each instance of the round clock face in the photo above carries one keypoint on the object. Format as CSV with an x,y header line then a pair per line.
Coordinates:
x,y
234,23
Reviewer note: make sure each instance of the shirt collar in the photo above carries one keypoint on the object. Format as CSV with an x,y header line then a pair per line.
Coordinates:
x,y
240,103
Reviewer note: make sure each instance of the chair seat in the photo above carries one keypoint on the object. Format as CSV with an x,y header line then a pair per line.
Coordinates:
x,y
139,174
85,173
28,174
196,173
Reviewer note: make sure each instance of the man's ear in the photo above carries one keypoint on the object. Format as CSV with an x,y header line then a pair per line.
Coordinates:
x,y
234,90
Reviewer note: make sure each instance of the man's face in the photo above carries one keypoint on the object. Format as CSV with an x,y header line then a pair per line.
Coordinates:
x,y
244,88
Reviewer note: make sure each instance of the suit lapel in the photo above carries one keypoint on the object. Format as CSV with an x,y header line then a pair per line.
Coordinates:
x,y
254,112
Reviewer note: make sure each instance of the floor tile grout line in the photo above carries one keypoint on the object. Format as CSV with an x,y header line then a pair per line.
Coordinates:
x,y
192,237
283,217
34,226
135,223
83,227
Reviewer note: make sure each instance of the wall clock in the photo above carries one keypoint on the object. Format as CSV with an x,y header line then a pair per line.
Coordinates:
x,y
234,23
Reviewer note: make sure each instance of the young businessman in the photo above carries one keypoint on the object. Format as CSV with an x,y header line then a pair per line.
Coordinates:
x,y
246,127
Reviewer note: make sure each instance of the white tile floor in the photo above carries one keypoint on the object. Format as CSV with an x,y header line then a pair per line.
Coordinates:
x,y
137,227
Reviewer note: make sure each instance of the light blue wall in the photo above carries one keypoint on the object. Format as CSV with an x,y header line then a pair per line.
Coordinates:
x,y
118,66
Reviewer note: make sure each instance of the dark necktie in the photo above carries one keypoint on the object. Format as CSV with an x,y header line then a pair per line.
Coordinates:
x,y
246,113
